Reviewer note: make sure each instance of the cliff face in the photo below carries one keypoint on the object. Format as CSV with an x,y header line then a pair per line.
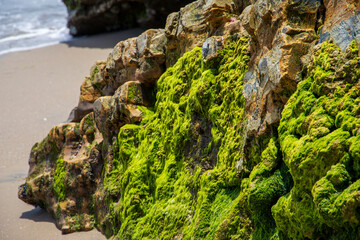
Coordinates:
x,y
239,120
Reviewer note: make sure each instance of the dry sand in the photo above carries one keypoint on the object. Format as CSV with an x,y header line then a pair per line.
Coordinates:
x,y
38,90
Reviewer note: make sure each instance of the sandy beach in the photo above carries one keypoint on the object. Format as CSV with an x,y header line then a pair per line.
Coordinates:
x,y
38,90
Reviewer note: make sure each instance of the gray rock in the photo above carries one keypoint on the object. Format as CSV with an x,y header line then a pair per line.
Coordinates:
x,y
345,32
211,47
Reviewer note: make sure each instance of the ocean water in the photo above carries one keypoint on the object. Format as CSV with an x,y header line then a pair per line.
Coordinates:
x,y
28,24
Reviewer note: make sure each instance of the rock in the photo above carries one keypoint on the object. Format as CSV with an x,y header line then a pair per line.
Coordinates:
x,y
341,22
63,171
256,117
89,17
211,46
344,33
134,93
145,58
136,59
198,21
151,46
284,41
111,113
80,111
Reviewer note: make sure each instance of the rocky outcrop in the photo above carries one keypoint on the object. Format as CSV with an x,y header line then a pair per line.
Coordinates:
x,y
94,16
146,57
239,120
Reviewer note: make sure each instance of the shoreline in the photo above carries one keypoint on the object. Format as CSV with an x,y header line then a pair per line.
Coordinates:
x,y
39,89
16,50
90,41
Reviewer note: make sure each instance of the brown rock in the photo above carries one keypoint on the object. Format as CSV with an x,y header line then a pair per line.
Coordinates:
x,y
71,150
111,113
198,21
133,93
285,30
151,46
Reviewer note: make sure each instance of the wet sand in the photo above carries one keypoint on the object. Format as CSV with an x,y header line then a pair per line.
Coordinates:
x,y
38,90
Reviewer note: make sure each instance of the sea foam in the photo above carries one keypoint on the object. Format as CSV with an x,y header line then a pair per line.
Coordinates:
x,y
29,24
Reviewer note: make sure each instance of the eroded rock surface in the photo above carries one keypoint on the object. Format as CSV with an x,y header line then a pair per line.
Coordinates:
x,y
239,120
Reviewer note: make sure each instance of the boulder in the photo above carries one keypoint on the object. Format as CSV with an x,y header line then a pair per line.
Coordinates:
x,y
90,17
63,174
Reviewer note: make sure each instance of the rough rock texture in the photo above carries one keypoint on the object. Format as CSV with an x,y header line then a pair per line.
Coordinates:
x,y
282,32
239,120
65,169
146,57
94,16
342,22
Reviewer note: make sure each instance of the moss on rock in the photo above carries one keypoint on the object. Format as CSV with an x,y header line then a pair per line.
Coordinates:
x,y
319,138
178,173
59,178
187,167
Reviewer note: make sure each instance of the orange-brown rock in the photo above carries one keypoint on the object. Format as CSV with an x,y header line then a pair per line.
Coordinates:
x,y
146,57
71,153
281,32
341,23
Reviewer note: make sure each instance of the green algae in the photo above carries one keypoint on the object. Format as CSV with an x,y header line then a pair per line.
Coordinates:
x,y
178,174
134,94
187,170
266,183
59,178
94,72
319,139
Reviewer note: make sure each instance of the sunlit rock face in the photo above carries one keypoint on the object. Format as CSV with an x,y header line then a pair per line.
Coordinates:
x,y
239,120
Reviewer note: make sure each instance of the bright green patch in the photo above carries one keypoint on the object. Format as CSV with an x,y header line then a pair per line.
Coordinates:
x,y
319,137
178,174
59,177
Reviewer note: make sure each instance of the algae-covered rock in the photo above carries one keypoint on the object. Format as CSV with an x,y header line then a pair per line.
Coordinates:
x,y
64,172
239,120
146,57
316,139
174,172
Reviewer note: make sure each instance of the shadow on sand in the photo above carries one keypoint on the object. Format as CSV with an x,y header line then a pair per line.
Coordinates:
x,y
38,215
105,40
